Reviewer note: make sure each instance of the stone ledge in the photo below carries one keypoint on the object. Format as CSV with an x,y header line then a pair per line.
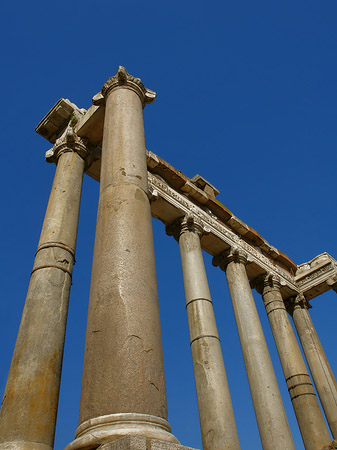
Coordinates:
x,y
141,443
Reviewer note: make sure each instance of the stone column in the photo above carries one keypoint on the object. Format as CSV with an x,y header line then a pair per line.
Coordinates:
x,y
319,367
218,428
123,386
309,416
271,418
28,413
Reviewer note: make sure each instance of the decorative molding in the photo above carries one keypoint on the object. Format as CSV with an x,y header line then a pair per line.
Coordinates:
x,y
311,279
123,79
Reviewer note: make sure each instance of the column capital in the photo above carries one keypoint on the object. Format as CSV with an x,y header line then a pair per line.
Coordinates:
x,y
122,79
266,282
70,142
234,254
297,302
185,224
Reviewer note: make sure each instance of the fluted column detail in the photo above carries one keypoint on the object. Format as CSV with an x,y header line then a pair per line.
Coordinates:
x,y
309,416
29,408
271,418
217,422
123,385
321,372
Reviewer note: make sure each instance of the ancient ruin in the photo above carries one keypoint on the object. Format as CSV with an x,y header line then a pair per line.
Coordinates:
x,y
123,401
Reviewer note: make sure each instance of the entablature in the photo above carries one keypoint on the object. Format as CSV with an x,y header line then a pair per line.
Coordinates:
x,y
174,195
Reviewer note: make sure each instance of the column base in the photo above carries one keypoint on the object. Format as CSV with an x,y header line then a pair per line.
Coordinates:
x,y
92,433
141,443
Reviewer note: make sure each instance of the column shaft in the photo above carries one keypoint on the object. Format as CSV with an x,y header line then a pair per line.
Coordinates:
x,y
217,420
319,366
123,386
29,408
312,425
271,418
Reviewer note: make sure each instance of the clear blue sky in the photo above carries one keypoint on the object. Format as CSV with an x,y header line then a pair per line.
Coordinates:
x,y
247,97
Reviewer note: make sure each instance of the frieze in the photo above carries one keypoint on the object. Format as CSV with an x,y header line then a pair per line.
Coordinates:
x,y
187,207
321,271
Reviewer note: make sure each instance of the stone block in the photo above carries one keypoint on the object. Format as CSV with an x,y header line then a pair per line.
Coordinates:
x,y
141,443
125,443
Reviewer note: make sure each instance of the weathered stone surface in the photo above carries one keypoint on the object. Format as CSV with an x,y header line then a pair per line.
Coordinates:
x,y
140,443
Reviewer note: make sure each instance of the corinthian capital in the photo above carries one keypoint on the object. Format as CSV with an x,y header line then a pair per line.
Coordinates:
x,y
69,142
124,79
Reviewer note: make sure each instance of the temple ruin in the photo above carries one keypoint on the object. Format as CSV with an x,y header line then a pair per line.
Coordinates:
x,y
123,400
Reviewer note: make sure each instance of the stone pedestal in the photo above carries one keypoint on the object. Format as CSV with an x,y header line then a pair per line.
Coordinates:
x,y
270,415
29,408
309,416
123,386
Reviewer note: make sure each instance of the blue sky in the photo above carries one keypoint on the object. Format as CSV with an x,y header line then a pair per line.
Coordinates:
x,y
247,97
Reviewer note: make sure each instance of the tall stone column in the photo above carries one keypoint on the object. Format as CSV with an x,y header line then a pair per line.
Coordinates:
x,y
319,366
218,428
123,386
29,408
271,418
309,416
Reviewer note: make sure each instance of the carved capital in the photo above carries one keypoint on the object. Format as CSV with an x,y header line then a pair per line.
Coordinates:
x,y
70,142
298,302
124,79
266,282
186,224
234,254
